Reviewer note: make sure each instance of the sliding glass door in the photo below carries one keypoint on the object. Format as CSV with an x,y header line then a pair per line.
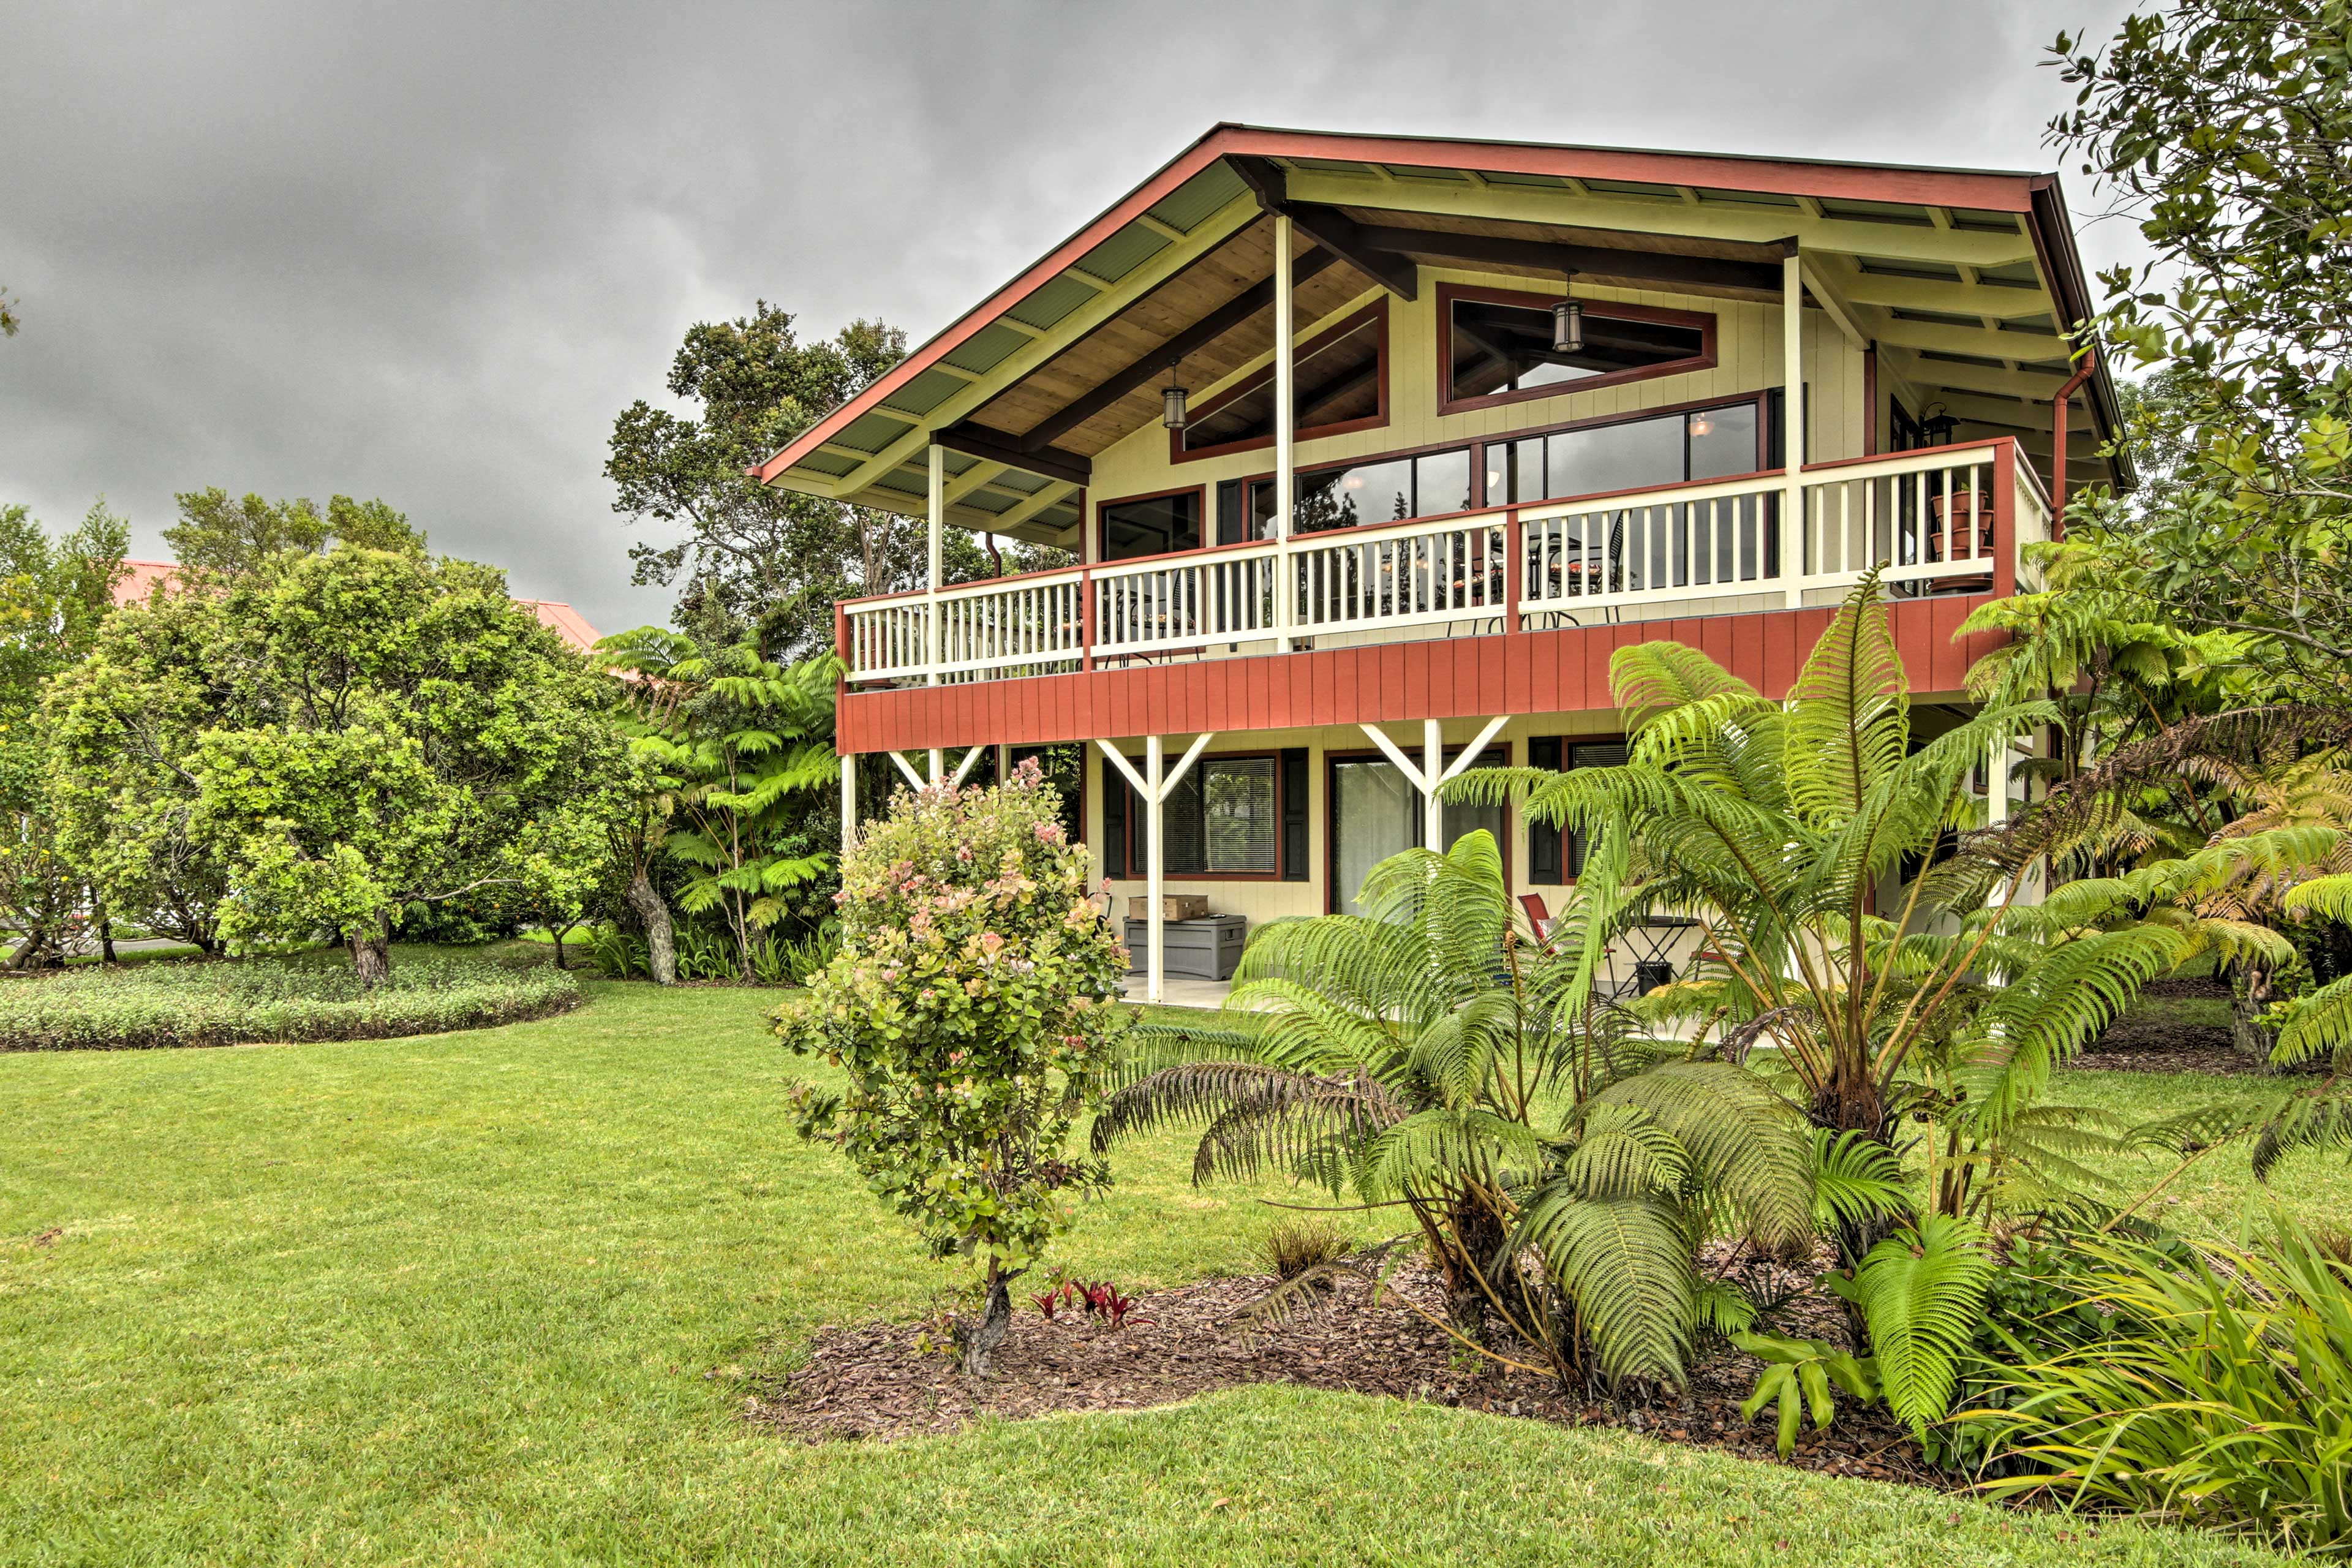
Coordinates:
x,y
1376,813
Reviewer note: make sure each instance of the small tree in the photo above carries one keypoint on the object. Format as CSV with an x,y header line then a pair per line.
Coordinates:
x,y
53,596
973,1007
348,734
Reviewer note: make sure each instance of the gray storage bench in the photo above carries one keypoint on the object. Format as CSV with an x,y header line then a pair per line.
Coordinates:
x,y
1208,947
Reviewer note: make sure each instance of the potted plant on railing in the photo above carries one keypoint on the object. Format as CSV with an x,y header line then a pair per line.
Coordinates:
x,y
1951,515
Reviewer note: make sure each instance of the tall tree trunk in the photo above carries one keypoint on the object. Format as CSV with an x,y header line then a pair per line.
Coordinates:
x,y
105,934
557,931
661,940
2256,989
978,1340
371,954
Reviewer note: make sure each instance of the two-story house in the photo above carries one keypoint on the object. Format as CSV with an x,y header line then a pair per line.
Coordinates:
x,y
1374,449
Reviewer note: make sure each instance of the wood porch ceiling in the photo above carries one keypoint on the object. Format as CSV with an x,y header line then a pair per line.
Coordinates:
x,y
1217,316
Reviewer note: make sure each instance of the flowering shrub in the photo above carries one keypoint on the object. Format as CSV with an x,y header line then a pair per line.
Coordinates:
x,y
973,1006
266,999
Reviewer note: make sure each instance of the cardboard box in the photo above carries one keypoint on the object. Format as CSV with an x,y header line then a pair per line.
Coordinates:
x,y
1179,906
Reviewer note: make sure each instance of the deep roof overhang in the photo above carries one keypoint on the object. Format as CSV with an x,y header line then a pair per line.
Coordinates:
x,y
1977,275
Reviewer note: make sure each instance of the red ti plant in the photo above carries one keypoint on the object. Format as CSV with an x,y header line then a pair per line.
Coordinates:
x,y
1104,1300
1060,1293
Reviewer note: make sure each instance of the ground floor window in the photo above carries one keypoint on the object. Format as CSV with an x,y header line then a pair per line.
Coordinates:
x,y
1375,814
1556,858
1229,816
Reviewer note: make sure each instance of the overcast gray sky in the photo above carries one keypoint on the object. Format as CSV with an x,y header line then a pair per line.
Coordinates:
x,y
428,252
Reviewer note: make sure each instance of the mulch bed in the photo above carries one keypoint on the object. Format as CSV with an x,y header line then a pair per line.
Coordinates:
x,y
2151,1045
873,1382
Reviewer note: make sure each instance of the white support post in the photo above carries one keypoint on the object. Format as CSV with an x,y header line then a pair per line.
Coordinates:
x,y
1792,433
935,510
1432,769
939,761
1155,945
1155,787
1431,773
907,768
1997,763
848,802
1004,765
963,768
1285,418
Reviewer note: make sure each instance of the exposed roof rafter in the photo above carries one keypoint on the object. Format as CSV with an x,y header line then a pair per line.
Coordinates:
x,y
1334,230
1003,446
1600,261
1201,333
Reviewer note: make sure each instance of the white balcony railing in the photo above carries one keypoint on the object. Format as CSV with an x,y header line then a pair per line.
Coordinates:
x,y
1945,519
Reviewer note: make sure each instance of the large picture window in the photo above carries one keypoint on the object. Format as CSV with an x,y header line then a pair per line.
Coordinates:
x,y
1627,454
1496,346
1341,383
1388,491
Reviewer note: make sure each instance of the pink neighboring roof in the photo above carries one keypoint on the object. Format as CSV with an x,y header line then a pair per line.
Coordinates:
x,y
563,621
139,579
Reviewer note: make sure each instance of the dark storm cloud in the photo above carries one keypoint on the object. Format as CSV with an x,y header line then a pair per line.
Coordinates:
x,y
428,252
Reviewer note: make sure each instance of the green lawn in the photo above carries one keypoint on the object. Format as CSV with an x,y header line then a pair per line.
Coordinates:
x,y
496,1297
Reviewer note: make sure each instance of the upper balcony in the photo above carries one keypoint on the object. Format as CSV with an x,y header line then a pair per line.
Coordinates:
x,y
1941,520
1340,423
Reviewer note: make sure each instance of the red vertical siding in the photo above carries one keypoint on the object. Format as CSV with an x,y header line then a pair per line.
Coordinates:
x,y
1562,671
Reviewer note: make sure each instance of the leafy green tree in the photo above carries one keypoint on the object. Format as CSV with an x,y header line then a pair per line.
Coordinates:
x,y
54,595
973,1007
220,537
349,734
752,555
738,751
755,560
1435,1054
2220,125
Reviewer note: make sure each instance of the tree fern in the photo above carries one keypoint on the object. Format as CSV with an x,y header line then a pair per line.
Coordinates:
x,y
1439,1057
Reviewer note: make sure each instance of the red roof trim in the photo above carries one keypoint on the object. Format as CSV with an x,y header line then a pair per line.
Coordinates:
x,y
1986,191
1172,173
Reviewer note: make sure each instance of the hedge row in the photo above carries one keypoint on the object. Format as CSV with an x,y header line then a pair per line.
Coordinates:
x,y
266,999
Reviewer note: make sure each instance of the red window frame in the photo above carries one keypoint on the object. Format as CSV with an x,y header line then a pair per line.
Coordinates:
x,y
1447,293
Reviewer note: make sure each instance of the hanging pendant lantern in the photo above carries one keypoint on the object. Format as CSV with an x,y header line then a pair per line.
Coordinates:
x,y
1171,401
1567,323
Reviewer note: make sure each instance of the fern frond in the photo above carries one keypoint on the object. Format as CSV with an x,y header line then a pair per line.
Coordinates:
x,y
1856,1179
1849,712
1742,1139
1625,1263
1921,1290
